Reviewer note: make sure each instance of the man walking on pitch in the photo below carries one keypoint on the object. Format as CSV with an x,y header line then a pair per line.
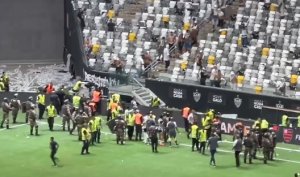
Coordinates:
x,y
53,147
213,145
237,147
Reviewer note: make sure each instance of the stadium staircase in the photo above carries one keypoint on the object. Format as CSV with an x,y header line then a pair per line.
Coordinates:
x,y
144,95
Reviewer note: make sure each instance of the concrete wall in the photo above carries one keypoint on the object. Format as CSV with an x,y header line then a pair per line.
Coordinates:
x,y
31,31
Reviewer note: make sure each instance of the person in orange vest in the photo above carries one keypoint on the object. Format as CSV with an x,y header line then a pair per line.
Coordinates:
x,y
49,88
185,114
138,121
96,97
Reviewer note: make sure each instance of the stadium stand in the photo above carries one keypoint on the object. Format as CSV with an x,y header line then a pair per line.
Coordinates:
x,y
255,49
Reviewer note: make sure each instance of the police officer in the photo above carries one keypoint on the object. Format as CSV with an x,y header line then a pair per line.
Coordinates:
x,y
273,139
27,107
87,109
32,117
86,137
195,136
76,100
41,102
155,102
248,143
56,102
66,114
266,145
264,126
206,124
120,130
254,136
285,120
5,117
15,104
93,130
98,124
203,139
5,79
153,135
79,123
51,111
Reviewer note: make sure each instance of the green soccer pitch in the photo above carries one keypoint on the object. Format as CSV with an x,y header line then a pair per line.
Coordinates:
x,y
29,156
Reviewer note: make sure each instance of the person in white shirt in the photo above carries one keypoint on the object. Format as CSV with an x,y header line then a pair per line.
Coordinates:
x,y
140,65
191,121
166,55
212,76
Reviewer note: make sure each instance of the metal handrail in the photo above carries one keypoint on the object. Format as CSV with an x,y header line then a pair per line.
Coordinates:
x,y
137,82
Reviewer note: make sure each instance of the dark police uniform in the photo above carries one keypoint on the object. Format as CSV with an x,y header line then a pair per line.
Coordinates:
x,y
53,148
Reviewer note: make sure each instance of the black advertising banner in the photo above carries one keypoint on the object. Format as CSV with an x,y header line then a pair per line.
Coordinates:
x,y
202,98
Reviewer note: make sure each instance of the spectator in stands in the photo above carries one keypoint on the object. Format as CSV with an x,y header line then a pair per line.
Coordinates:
x,y
194,35
218,78
166,57
171,39
180,41
233,80
140,66
244,36
147,59
212,75
203,76
117,63
215,17
187,44
161,46
110,29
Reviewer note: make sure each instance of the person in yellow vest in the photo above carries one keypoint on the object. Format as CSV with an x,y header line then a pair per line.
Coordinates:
x,y
76,100
77,86
206,124
298,123
256,124
96,49
115,98
264,126
195,136
115,113
132,36
166,19
51,111
130,119
285,121
5,79
93,130
41,102
186,26
98,125
184,66
202,140
2,86
155,102
86,138
111,13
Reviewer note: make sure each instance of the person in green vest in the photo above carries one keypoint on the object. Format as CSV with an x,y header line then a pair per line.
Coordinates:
x,y
155,102
195,136
51,111
77,86
285,120
5,79
2,86
264,126
130,124
298,119
76,101
93,130
98,124
115,113
202,140
256,124
41,101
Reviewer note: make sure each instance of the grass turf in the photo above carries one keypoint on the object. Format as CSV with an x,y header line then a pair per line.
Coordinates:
x,y
29,156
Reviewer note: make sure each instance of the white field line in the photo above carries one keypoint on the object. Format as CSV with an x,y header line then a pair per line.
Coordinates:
x,y
186,145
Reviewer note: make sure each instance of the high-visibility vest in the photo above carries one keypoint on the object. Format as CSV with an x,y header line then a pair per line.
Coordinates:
x,y
93,127
284,120
298,124
2,87
256,125
77,86
210,114
98,122
51,111
194,131
131,37
114,114
96,96
115,98
76,101
185,112
205,122
203,137
264,124
50,88
130,119
87,136
138,119
155,102
41,99
5,78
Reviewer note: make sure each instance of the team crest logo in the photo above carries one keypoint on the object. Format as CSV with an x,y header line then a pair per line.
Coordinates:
x,y
279,105
237,101
287,135
197,96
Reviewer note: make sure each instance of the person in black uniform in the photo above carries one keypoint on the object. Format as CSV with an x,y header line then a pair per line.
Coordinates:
x,y
152,132
53,147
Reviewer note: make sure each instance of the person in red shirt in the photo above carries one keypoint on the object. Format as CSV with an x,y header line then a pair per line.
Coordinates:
x,y
49,88
138,120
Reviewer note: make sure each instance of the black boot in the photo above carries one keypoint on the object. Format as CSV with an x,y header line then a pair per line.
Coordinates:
x,y
7,126
31,131
36,132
